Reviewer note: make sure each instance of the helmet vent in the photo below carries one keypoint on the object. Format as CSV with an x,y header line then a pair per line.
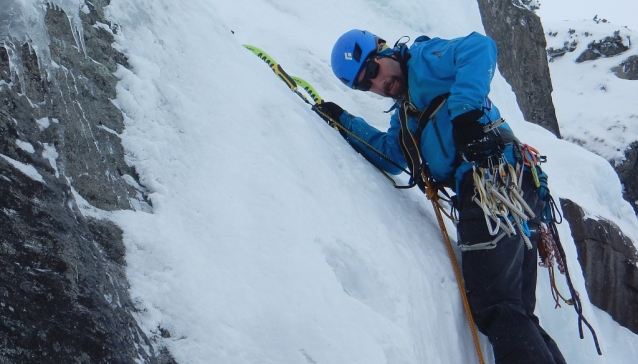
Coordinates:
x,y
356,53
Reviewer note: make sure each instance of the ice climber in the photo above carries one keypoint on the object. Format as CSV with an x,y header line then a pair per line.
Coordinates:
x,y
500,281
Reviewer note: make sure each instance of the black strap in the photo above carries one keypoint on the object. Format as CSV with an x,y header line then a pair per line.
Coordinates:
x,y
576,299
429,112
410,142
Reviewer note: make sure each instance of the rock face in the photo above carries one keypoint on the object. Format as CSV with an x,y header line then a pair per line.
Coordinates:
x,y
522,58
610,265
63,294
627,172
63,290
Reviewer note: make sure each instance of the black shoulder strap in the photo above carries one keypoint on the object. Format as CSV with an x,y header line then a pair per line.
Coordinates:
x,y
410,142
427,114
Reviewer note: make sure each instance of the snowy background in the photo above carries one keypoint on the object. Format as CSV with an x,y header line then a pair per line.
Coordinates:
x,y
271,240
595,108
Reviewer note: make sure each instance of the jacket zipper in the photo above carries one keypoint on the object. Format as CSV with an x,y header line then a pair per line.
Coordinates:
x,y
438,136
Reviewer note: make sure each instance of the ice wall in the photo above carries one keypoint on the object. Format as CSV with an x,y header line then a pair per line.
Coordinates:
x,y
22,21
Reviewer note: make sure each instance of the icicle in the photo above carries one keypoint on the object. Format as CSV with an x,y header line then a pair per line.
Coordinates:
x,y
22,21
72,9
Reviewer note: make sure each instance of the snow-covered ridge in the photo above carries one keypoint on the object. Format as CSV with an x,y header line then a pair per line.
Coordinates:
x,y
599,38
595,107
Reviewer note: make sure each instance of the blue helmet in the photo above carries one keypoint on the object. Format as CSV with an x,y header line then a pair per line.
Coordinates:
x,y
350,53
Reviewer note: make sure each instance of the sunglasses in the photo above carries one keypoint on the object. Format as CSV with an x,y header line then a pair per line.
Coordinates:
x,y
370,71
370,67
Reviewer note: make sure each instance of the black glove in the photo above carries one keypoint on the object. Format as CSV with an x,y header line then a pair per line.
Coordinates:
x,y
472,141
328,111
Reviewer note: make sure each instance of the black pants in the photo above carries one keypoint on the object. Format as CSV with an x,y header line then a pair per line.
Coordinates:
x,y
501,285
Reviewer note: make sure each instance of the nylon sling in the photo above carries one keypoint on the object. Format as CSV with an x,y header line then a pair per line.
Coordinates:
x,y
410,142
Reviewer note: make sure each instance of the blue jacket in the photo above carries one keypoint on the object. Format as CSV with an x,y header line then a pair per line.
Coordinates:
x,y
464,67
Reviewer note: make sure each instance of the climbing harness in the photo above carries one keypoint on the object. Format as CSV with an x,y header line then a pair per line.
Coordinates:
x,y
410,141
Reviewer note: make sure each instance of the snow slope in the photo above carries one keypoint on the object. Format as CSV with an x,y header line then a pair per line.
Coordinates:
x,y
595,108
271,240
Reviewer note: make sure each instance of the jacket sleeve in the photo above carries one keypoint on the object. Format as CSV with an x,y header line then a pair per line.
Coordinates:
x,y
385,142
474,60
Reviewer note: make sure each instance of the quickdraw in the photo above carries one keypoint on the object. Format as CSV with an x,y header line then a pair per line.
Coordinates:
x,y
498,193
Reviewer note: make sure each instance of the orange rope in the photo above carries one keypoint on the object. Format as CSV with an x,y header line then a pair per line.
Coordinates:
x,y
432,194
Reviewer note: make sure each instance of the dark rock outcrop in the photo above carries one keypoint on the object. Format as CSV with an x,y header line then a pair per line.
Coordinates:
x,y
607,47
522,58
63,291
63,297
567,47
627,172
610,265
588,55
628,69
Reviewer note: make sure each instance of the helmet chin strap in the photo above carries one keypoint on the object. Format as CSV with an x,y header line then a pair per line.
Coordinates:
x,y
403,63
402,56
399,53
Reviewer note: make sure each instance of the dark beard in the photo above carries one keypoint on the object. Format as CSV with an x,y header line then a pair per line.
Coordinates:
x,y
402,91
